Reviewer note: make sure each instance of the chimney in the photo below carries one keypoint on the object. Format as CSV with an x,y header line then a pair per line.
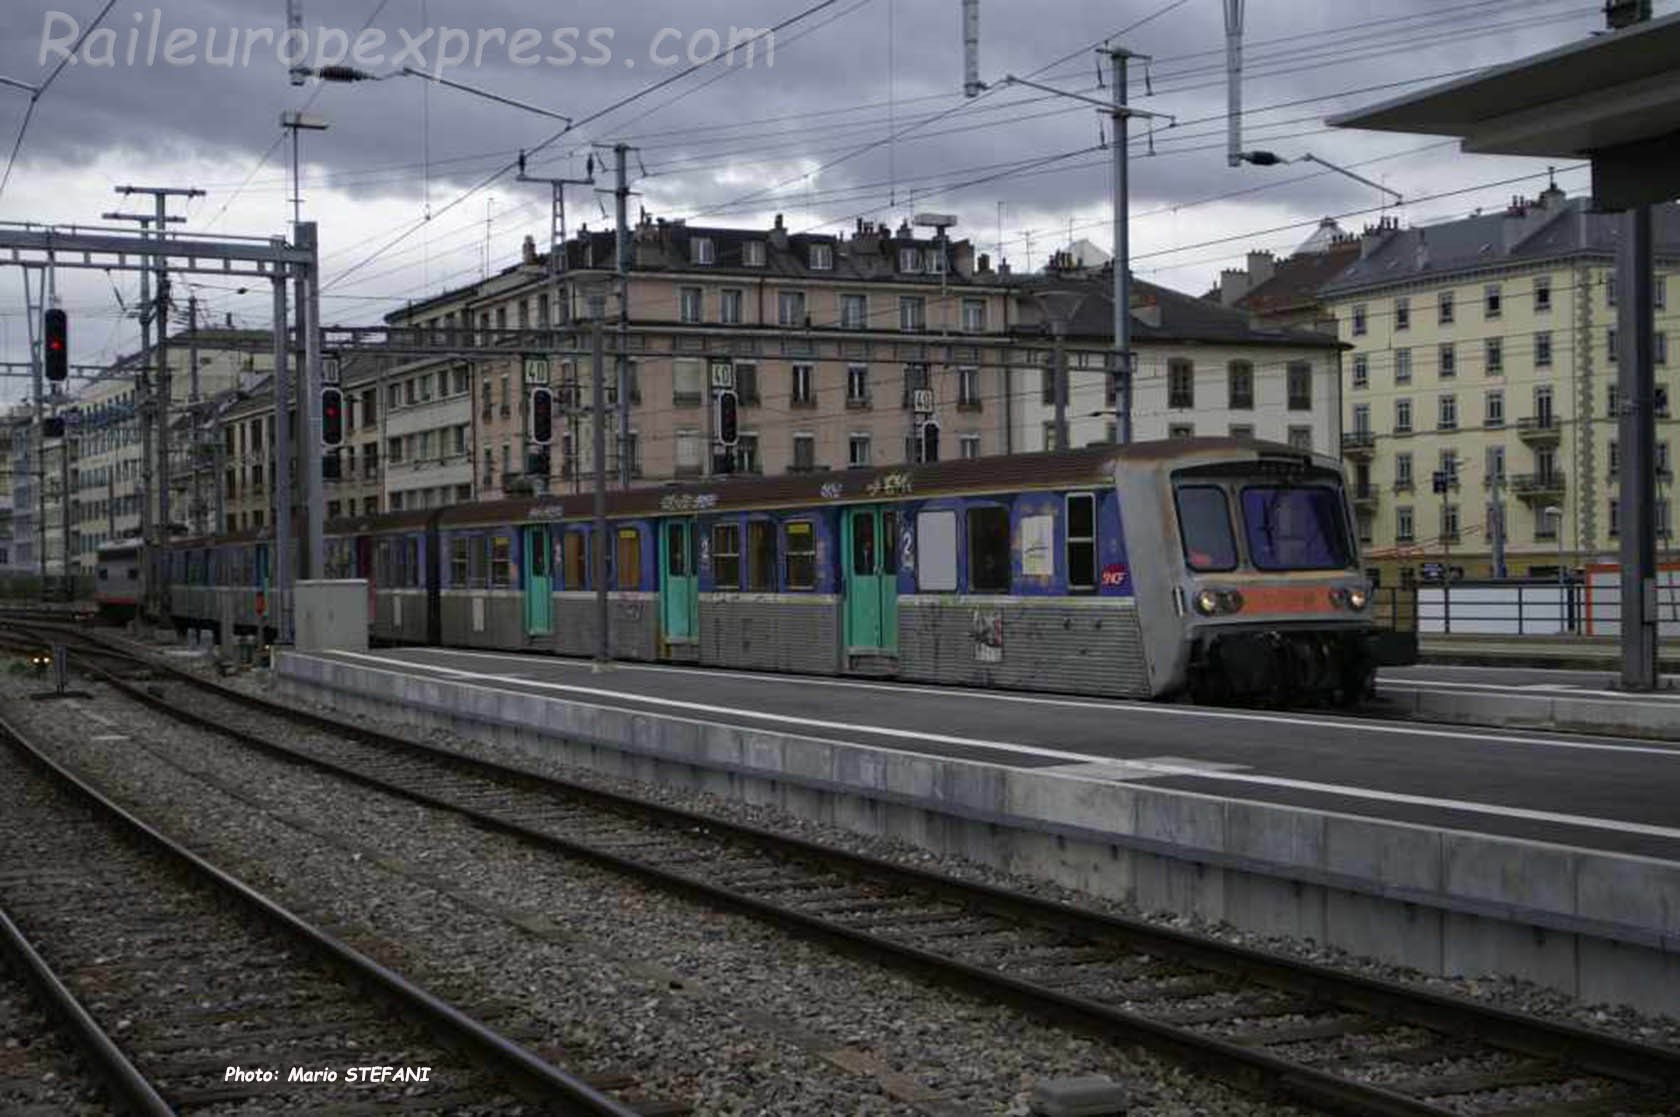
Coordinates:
x,y
1233,285
1260,268
985,263
1003,267
962,258
1374,237
528,252
778,234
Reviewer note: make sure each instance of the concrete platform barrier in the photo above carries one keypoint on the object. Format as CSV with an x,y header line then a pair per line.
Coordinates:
x,y
1603,927
1560,711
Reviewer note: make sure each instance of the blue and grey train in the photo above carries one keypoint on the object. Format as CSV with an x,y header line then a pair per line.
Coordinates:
x,y
1219,569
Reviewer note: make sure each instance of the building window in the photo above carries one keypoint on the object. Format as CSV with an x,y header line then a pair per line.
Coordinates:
x,y
1542,348
1449,522
1299,374
726,556
1494,409
1402,416
1495,356
689,305
854,312
803,392
1444,309
1543,405
1402,313
988,549
1243,430
1449,361
1403,471
857,451
1181,383
688,453
701,250
857,386
822,257
1301,438
1361,418
968,388
1492,301
1448,466
687,382
974,316
1612,351
746,454
912,313
1542,293
804,452
1403,530
1402,366
799,544
1361,371
1610,288
729,307
1447,418
969,445
746,384
1494,469
910,260
752,254
1659,348
1359,320
790,308
1180,430
1240,377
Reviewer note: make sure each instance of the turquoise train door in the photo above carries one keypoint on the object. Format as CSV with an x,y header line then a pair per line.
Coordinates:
x,y
679,597
539,595
869,542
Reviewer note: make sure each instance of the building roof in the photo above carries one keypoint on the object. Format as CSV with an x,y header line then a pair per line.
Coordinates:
x,y
1296,281
1161,315
1526,232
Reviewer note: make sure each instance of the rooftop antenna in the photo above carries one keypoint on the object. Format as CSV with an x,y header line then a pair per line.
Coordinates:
x,y
294,29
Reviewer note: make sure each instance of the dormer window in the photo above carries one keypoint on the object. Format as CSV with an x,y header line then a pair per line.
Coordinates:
x,y
752,254
822,257
936,260
701,250
910,260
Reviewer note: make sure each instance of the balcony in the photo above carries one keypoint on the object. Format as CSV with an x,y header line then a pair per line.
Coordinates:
x,y
1403,486
1540,430
1365,497
1359,444
1538,486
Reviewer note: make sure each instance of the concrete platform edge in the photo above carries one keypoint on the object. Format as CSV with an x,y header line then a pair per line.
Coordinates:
x,y
1600,926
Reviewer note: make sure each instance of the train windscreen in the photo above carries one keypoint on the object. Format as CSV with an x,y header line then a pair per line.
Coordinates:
x,y
1204,525
1295,528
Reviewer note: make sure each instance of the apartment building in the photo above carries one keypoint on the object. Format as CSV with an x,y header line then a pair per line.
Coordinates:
x,y
1484,356
825,337
1199,369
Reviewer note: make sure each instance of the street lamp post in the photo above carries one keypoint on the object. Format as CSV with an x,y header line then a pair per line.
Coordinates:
x,y
596,292
1555,514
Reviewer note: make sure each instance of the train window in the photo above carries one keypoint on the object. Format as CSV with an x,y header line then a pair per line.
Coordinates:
x,y
577,576
800,544
936,551
477,564
988,549
761,556
676,549
536,556
889,542
1082,542
863,545
726,556
628,567
1295,528
501,561
460,563
1204,526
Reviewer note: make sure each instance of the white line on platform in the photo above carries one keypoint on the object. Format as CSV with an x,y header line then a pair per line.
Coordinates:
x,y
1118,706
1154,771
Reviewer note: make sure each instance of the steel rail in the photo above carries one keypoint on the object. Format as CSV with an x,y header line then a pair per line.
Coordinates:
x,y
574,1094
1642,1065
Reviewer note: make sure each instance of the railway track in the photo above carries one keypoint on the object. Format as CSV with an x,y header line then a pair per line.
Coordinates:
x,y
184,989
1339,1042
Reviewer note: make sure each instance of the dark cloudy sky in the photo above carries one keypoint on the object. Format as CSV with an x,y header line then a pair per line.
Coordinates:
x,y
806,134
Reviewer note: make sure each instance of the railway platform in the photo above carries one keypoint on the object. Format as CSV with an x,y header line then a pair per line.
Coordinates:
x,y
1453,850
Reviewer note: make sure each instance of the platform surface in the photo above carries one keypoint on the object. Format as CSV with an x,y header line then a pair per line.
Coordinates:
x,y
1596,793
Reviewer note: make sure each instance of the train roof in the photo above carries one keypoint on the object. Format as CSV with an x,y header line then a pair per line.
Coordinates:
x,y
1090,466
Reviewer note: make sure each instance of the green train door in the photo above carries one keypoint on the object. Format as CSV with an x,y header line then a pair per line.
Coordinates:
x,y
869,542
679,597
539,593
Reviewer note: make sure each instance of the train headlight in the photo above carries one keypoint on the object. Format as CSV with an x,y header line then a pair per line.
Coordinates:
x,y
1231,601
1357,599
1206,602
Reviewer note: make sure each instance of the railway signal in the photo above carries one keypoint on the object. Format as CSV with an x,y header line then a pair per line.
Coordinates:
x,y
542,415
56,344
332,417
728,418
